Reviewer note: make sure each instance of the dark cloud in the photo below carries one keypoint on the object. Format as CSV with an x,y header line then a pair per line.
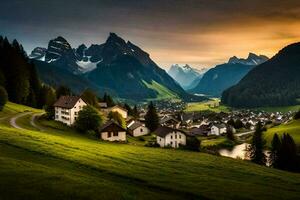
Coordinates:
x,y
160,26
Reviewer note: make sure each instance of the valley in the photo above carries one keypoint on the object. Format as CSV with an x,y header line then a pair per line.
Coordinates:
x,y
61,163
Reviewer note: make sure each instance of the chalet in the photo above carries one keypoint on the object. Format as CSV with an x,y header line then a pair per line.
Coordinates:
x,y
218,129
202,130
170,137
67,108
111,131
169,121
120,110
136,129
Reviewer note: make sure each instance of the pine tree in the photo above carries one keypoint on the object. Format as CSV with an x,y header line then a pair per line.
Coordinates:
x,y
229,134
63,91
3,97
151,117
108,99
256,149
275,148
135,112
287,157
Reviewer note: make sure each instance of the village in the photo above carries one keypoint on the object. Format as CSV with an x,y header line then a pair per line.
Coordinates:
x,y
174,125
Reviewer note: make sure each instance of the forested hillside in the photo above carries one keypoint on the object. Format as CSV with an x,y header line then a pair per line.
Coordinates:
x,y
273,83
19,78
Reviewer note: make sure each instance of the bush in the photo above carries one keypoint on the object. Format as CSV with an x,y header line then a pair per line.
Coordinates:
x,y
297,115
3,97
117,117
192,144
89,119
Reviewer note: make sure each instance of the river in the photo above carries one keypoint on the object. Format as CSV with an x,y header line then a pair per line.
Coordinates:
x,y
239,151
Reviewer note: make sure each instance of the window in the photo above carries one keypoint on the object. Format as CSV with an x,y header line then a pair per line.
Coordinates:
x,y
109,134
175,136
75,113
56,116
171,143
160,139
75,118
179,136
171,136
116,133
141,130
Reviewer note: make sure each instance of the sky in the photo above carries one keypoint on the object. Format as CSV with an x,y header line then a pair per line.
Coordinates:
x,y
201,33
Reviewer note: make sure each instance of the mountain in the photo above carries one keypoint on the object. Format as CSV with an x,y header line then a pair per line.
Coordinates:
x,y
117,66
273,83
252,59
185,75
223,76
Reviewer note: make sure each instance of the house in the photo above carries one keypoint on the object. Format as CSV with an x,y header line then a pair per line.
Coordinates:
x,y
136,129
102,104
111,131
120,110
169,121
170,137
218,129
67,108
202,130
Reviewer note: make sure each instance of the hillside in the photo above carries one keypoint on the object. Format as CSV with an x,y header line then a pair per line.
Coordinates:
x,y
292,128
223,76
116,66
51,161
273,83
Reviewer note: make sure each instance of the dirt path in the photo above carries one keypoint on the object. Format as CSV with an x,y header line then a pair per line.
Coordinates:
x,y
32,121
14,119
245,133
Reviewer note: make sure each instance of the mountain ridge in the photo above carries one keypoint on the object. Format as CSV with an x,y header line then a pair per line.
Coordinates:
x,y
117,65
273,83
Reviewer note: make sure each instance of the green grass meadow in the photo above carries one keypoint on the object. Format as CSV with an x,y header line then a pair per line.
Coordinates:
x,y
207,105
59,163
292,128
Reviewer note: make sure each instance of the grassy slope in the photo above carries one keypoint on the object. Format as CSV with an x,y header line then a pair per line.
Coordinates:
x,y
58,163
283,109
201,106
293,128
162,92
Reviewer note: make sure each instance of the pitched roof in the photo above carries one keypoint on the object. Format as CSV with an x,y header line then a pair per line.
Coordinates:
x,y
135,125
220,125
66,101
168,118
162,131
111,123
117,106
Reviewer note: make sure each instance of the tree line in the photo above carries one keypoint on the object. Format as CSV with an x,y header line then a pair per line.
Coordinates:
x,y
282,155
19,82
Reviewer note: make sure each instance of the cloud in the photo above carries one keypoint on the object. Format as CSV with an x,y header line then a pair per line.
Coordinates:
x,y
199,32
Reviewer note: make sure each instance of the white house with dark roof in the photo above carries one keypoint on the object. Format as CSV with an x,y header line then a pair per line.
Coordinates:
x,y
111,131
170,137
67,108
218,129
136,129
